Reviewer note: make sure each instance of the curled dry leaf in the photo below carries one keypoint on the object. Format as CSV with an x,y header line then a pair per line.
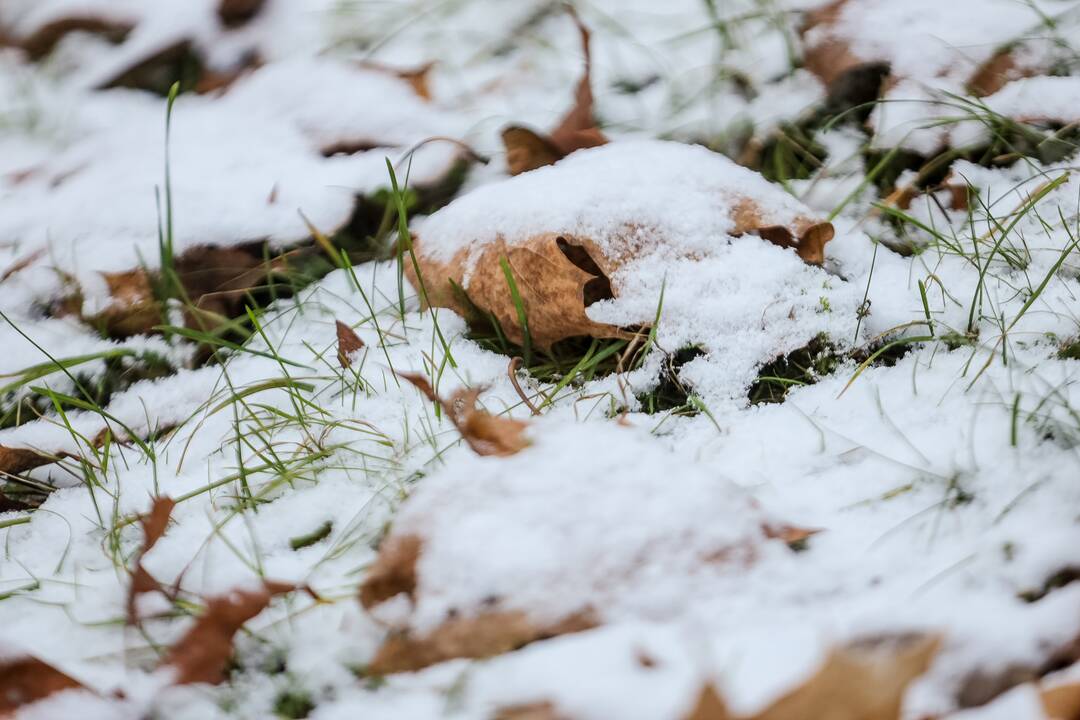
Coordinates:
x,y
419,78
394,570
348,342
709,706
25,680
486,635
1061,701
42,41
865,680
485,433
843,38
203,653
560,271
530,711
153,527
234,13
527,150
18,460
216,280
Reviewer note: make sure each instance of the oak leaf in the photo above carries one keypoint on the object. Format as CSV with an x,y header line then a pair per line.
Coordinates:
x,y
485,433
558,276
203,653
394,570
25,680
864,680
348,342
153,526
527,150
486,635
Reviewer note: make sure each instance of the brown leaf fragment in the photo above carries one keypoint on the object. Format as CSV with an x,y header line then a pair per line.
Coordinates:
x,y
44,39
25,680
806,234
134,309
486,635
203,653
348,342
709,706
829,58
1062,701
557,278
542,710
153,525
485,433
790,534
18,460
865,680
419,78
234,13
527,150
21,264
393,572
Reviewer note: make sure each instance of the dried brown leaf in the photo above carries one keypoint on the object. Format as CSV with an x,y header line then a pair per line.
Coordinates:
x,y
485,433
486,635
791,534
153,525
532,711
553,286
234,13
527,150
806,234
393,572
25,680
419,78
348,342
1062,701
203,653
865,680
709,706
44,39
20,265
18,460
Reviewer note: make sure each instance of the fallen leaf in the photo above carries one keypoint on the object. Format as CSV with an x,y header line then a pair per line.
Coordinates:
x,y
558,276
153,527
347,343
418,77
234,13
527,150
531,711
485,433
865,680
1061,701
203,653
25,680
790,534
709,706
486,635
216,281
22,264
394,570
41,42
18,460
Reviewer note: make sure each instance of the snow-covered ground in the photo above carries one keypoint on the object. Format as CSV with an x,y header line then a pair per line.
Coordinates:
x,y
920,483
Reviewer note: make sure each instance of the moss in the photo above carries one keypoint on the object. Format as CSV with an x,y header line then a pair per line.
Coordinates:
x,y
293,704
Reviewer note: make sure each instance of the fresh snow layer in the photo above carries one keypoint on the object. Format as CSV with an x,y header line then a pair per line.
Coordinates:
x,y
693,534
942,482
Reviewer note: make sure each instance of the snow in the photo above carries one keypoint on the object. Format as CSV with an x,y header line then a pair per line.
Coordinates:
x,y
942,482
